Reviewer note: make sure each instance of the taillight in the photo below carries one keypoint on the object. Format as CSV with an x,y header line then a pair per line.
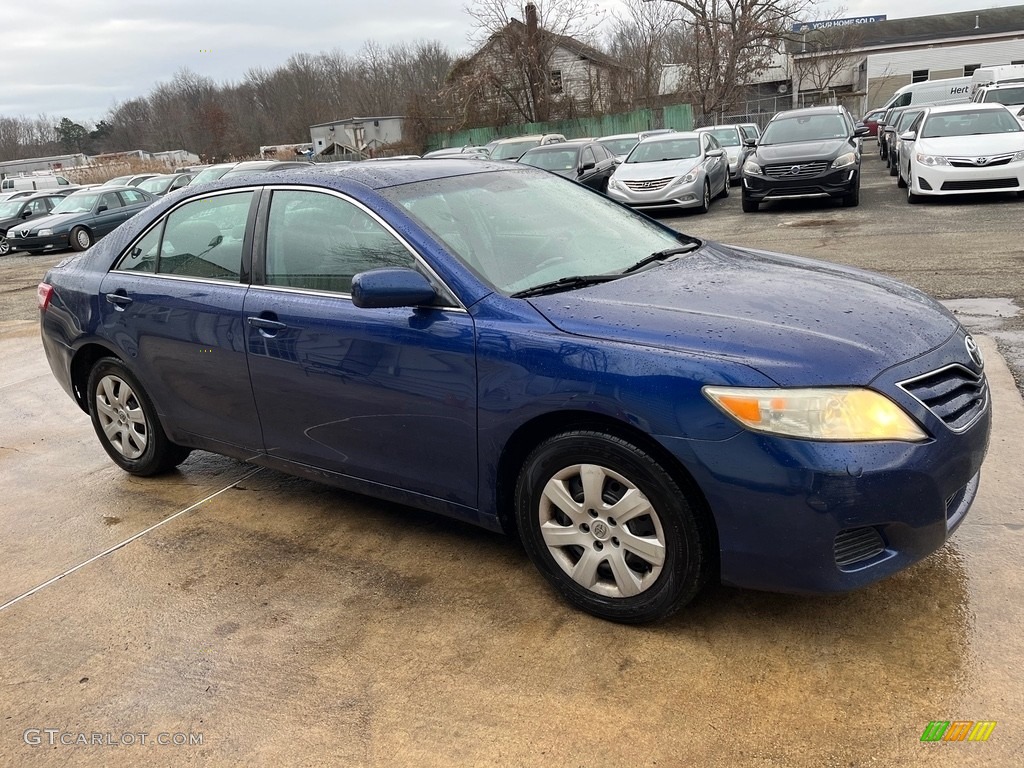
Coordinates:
x,y
43,295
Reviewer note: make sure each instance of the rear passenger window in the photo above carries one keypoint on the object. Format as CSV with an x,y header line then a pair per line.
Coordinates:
x,y
320,242
202,239
132,196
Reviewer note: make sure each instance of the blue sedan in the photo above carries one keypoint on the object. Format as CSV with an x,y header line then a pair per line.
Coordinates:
x,y
645,410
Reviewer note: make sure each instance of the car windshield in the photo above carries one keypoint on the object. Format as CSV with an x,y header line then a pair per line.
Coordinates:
x,y
790,130
655,151
618,146
969,123
727,137
10,209
513,149
551,159
76,203
210,174
157,185
518,229
1012,96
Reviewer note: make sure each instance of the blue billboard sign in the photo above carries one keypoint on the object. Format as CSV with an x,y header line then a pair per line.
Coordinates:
x,y
807,26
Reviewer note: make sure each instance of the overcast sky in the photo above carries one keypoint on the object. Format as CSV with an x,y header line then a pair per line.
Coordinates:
x,y
77,58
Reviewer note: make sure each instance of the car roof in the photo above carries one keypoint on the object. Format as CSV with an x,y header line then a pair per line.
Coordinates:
x,y
717,127
531,137
620,136
971,106
672,136
829,109
372,175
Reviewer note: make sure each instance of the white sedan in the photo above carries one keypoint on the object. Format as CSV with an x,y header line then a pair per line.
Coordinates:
x,y
962,149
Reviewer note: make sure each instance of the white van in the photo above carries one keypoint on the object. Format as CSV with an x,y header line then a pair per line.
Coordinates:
x,y
932,93
17,183
1008,73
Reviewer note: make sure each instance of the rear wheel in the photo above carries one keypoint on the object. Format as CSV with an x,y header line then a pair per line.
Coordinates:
x,y
80,238
609,528
125,421
725,186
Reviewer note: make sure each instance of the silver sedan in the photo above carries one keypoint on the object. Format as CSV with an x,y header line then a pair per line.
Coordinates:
x,y
677,170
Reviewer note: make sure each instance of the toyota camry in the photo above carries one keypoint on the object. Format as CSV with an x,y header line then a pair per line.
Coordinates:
x,y
646,410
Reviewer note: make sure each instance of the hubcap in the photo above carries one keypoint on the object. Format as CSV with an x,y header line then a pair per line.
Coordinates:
x,y
83,238
4,246
121,417
601,530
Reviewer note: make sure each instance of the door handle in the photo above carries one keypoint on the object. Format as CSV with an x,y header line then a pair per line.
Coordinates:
x,y
119,300
267,328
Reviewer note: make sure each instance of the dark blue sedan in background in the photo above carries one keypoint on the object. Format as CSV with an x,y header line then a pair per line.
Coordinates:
x,y
644,409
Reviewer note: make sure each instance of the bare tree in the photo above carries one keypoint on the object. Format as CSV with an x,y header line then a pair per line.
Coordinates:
x,y
730,41
510,68
822,56
644,38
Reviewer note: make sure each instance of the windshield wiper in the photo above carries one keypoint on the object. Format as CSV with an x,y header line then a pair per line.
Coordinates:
x,y
662,255
564,284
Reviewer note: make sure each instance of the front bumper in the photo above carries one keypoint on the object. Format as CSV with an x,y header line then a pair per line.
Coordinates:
x,y
56,242
837,183
815,517
673,195
951,180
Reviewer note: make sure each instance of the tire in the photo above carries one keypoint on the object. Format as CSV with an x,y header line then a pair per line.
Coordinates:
x,y
912,199
125,421
899,179
893,168
634,570
5,247
705,202
852,200
80,238
749,206
725,187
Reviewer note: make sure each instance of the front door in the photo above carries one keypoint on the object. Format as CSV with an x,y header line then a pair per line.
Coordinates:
x,y
385,395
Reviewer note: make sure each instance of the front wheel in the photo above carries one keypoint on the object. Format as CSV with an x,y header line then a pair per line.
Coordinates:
x,y
610,528
5,247
750,206
80,238
705,201
125,421
852,200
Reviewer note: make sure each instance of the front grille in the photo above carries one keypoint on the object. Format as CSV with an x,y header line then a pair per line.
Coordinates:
x,y
957,395
966,186
856,545
649,185
803,169
784,191
970,162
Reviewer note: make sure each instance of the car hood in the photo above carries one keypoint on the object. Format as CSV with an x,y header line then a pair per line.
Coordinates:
x,y
986,144
798,321
803,150
58,221
662,169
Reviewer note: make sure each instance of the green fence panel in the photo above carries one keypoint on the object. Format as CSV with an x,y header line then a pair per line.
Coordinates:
x,y
679,117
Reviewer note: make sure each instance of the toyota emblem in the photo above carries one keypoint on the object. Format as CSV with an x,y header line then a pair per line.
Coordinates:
x,y
973,351
982,161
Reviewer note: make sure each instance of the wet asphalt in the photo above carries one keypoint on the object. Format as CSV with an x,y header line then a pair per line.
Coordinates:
x,y
280,622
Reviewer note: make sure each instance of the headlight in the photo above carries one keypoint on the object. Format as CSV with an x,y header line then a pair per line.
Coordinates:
x,y
817,414
614,183
1017,157
688,178
931,159
751,167
845,160
45,232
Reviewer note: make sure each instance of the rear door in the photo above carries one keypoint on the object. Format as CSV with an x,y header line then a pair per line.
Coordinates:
x,y
384,395
172,306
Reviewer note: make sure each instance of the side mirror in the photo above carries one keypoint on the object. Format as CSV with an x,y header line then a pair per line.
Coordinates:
x,y
587,167
26,214
909,136
101,209
716,152
391,287
861,130
749,142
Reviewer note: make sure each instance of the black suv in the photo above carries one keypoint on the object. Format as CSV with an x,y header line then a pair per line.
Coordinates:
x,y
21,209
804,153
